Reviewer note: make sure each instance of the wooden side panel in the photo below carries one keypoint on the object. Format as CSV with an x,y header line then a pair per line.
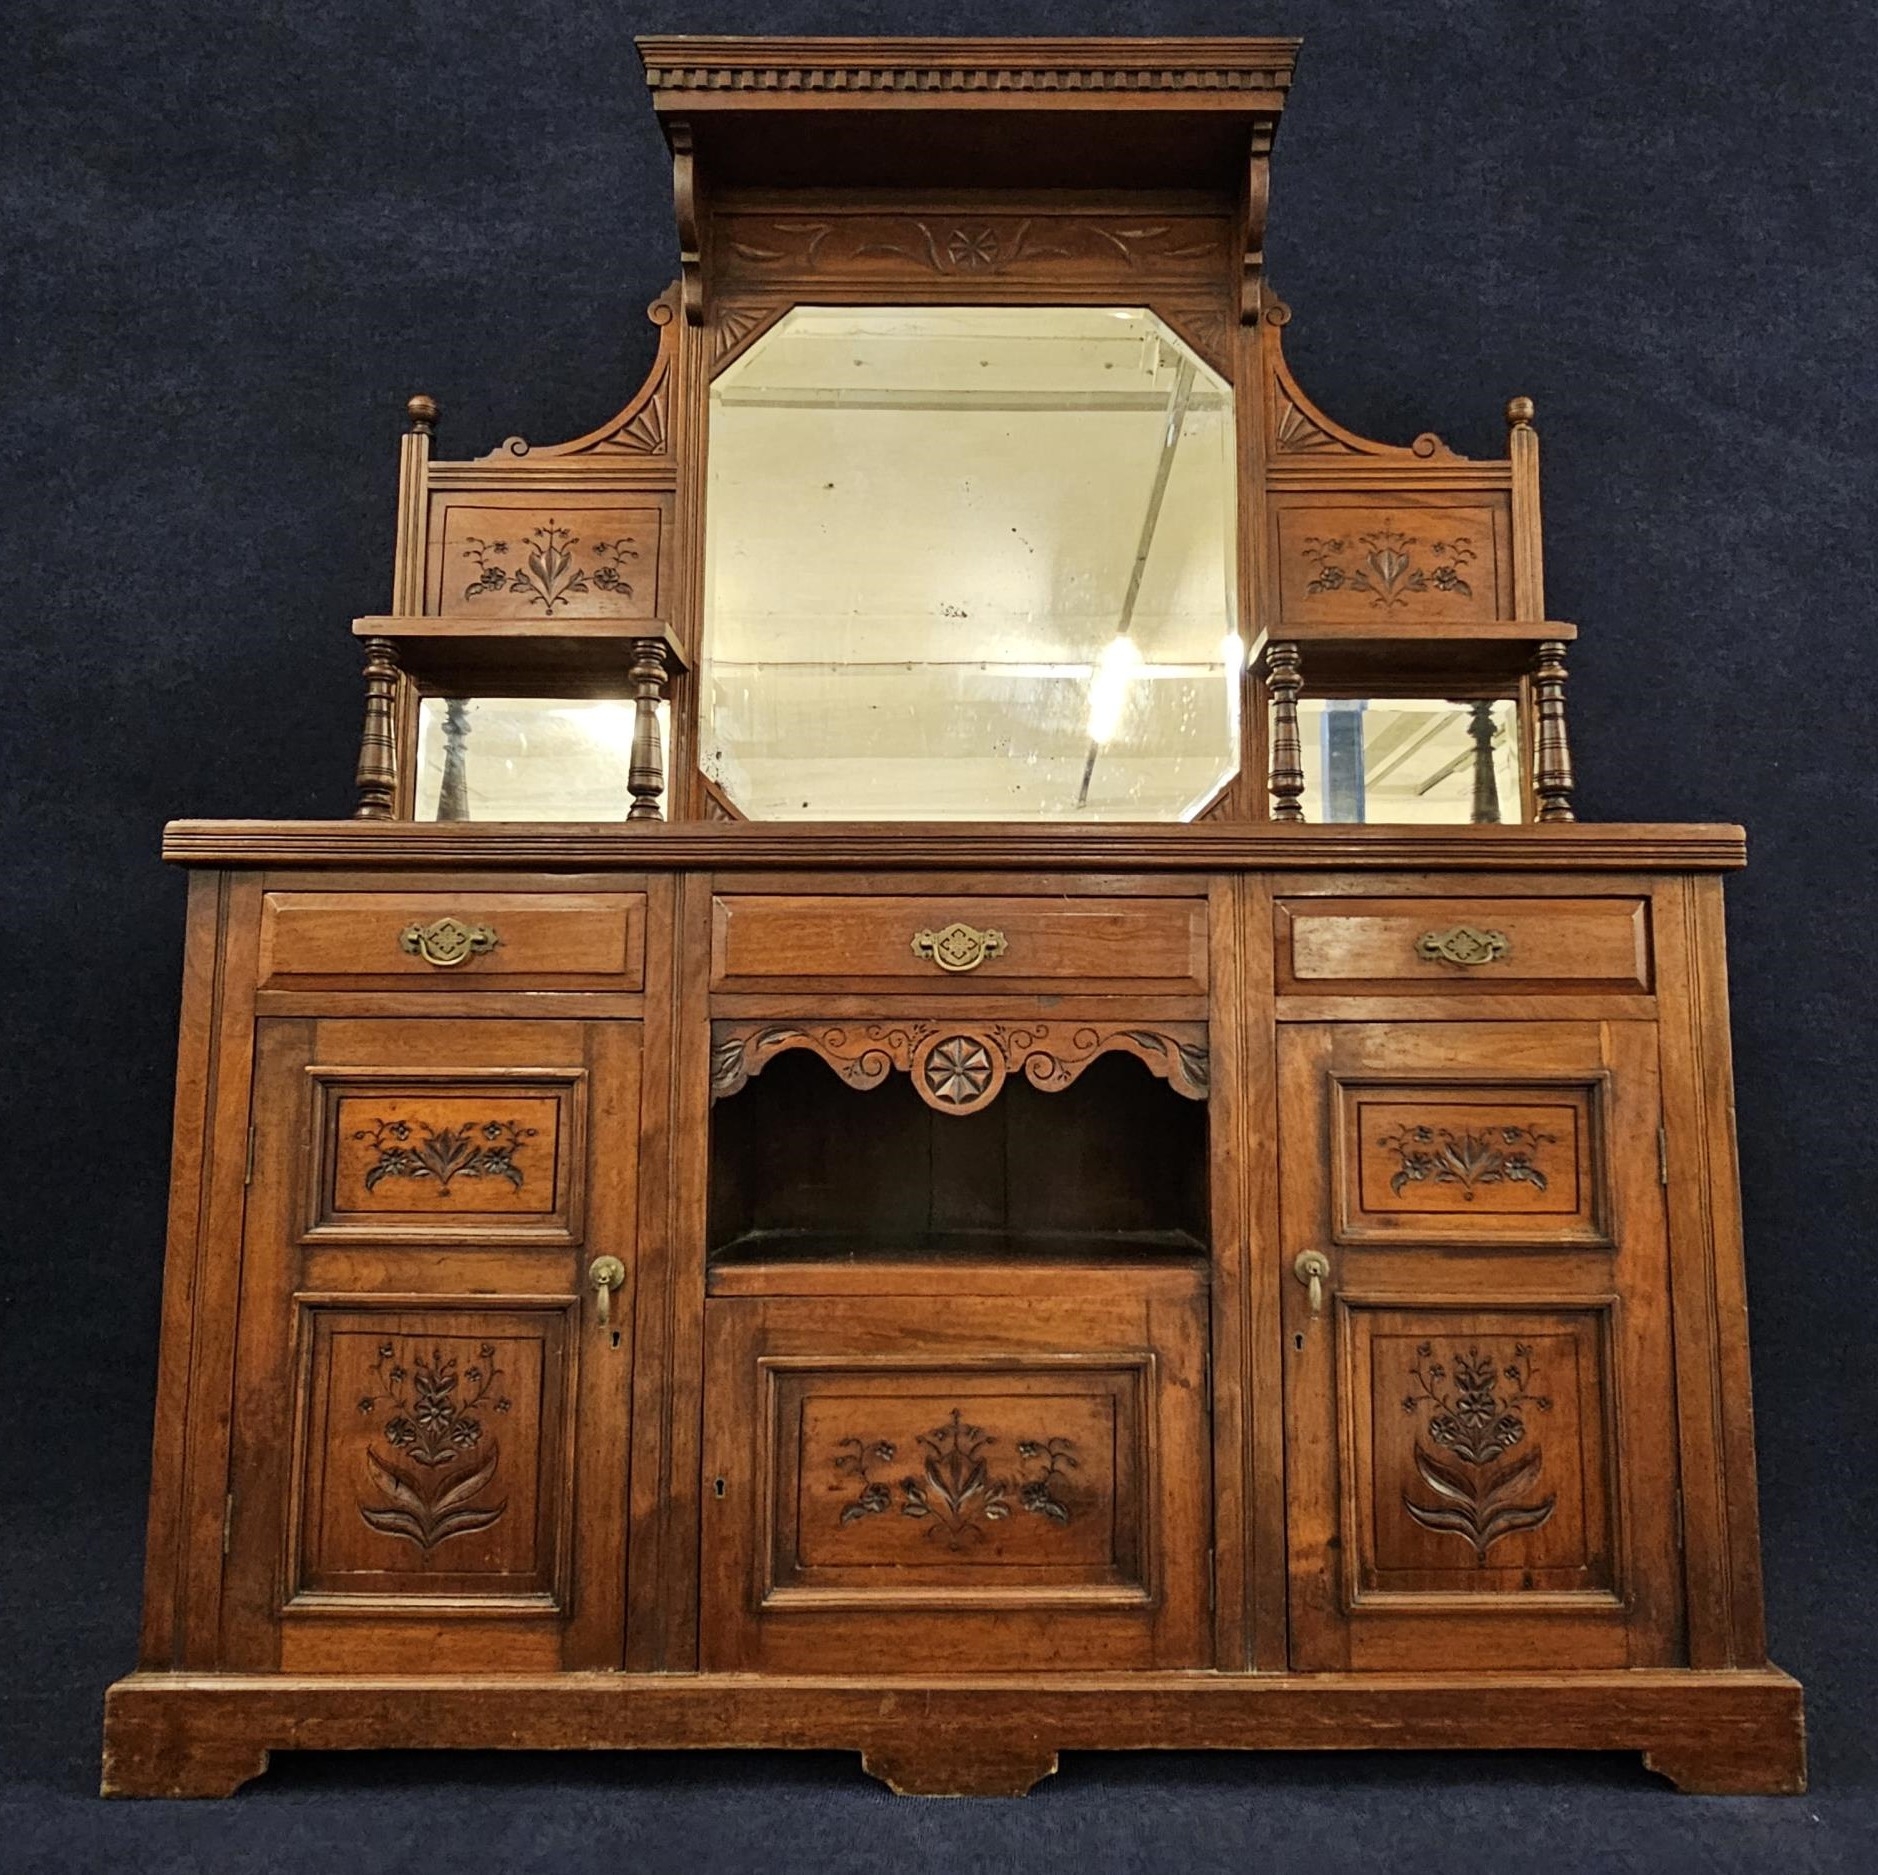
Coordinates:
x,y
530,552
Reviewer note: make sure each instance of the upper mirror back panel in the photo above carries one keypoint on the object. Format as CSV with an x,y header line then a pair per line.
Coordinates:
x,y
970,563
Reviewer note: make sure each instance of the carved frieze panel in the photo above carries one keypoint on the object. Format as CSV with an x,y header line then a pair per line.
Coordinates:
x,y
887,1480
1385,564
1483,1454
1519,1163
968,248
957,1067
490,1154
432,1457
530,556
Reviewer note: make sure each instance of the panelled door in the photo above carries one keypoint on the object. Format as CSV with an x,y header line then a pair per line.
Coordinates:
x,y
1482,1467
428,1198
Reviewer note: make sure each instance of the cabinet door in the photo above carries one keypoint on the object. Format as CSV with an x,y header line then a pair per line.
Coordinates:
x,y
958,1481
429,1438
1480,1416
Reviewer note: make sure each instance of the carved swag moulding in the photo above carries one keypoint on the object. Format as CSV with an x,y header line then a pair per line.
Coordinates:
x,y
958,1068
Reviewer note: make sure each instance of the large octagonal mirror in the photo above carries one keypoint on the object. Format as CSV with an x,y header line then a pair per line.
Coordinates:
x,y
970,563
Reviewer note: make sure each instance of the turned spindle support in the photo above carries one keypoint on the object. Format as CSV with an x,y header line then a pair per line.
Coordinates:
x,y
1283,681
1552,755
650,676
1486,809
378,745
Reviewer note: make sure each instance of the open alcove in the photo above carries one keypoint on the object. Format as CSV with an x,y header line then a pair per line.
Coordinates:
x,y
806,1167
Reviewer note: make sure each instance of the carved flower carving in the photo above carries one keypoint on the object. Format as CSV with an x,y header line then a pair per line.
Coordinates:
x,y
958,1071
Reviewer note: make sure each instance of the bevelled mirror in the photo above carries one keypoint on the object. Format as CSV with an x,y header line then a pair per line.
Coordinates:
x,y
970,563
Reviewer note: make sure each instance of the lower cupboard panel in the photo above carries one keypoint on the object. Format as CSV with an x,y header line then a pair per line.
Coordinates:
x,y
908,1484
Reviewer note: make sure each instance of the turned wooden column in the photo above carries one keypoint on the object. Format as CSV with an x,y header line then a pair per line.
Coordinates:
x,y
378,745
1552,755
650,675
1486,784
1284,678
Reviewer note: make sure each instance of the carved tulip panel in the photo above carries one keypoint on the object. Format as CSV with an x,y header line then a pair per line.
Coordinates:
x,y
1489,1164
473,1155
1481,1453
432,1456
514,556
1364,560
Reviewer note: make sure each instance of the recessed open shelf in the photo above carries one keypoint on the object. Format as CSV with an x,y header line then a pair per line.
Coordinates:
x,y
807,1169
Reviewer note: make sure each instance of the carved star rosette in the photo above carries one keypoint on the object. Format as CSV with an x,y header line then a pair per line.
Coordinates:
x,y
958,1070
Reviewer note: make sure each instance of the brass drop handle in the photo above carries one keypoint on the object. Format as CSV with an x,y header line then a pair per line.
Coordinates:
x,y
448,942
1464,945
959,947
606,1274
1313,1270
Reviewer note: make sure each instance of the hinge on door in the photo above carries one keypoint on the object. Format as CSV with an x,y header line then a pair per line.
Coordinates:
x,y
228,1522
247,1176
1662,1155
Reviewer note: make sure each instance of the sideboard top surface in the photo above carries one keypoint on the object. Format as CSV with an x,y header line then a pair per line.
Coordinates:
x,y
1111,847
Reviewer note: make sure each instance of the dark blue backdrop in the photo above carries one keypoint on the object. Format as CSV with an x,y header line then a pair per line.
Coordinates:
x,y
239,235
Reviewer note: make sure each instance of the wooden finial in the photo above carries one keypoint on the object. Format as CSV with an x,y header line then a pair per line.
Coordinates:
x,y
422,411
1519,413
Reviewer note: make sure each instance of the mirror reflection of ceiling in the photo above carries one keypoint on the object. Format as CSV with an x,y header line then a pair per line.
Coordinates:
x,y
970,563
1423,760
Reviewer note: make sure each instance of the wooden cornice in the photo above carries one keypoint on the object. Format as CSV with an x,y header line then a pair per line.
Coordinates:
x,y
1111,848
686,72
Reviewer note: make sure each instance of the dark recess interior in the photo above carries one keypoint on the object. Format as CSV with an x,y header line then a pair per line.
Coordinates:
x,y
802,1165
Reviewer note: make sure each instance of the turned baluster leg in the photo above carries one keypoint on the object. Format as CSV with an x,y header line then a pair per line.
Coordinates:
x,y
1552,757
1486,783
1283,680
378,745
646,777
453,792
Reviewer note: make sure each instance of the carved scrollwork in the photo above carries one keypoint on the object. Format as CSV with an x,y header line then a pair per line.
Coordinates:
x,y
958,1068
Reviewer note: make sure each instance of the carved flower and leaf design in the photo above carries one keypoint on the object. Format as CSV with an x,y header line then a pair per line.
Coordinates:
x,y
958,1069
1476,1418
440,1463
1469,1157
445,1154
547,569
956,1492
978,244
1383,565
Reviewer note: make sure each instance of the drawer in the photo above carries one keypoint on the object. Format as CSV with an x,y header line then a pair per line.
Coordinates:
x,y
1379,946
499,940
963,942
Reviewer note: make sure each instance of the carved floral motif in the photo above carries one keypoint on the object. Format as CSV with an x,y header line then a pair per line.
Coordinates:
x,y
956,1492
958,1067
485,1150
1477,1418
1495,1155
549,572
980,246
442,1464
1384,565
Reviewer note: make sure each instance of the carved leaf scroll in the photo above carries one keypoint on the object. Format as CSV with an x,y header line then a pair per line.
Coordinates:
x,y
958,1068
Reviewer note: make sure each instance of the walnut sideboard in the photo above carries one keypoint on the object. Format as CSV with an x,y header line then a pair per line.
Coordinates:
x,y
1379,1379
964,1087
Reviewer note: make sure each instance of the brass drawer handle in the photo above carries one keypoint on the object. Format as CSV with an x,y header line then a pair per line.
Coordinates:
x,y
1463,945
448,942
959,946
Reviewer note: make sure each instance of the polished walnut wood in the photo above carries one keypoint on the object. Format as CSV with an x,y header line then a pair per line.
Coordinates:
x,y
956,1293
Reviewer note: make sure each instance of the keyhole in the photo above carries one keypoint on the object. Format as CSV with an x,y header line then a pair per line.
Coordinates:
x,y
717,1487
616,1337
1297,1341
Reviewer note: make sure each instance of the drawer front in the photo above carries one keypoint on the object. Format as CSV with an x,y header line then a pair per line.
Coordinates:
x,y
454,940
1417,945
1058,944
